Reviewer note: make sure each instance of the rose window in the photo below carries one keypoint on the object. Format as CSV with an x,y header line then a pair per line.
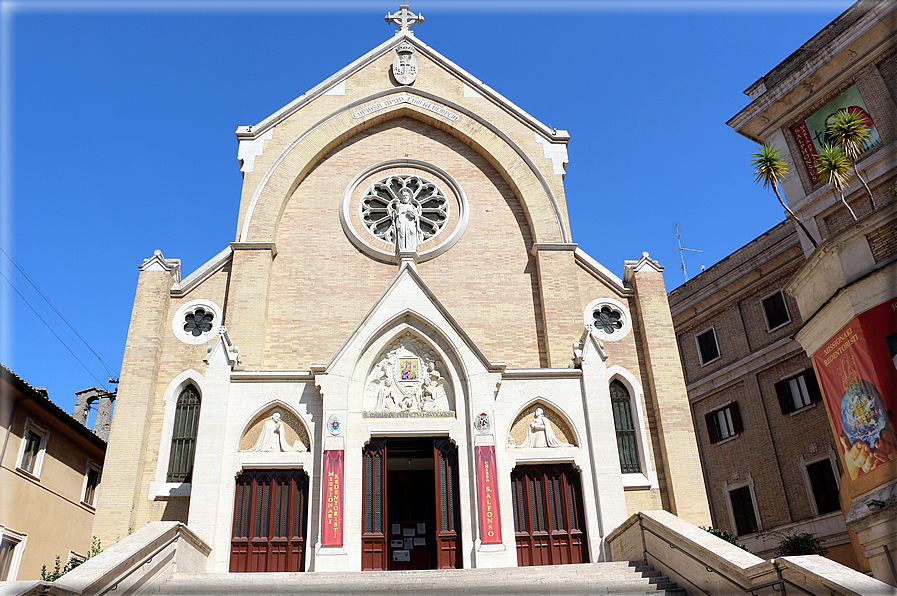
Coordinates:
x,y
198,322
607,320
425,195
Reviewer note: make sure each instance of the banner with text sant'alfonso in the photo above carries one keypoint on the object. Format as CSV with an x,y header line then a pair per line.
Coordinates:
x,y
487,495
332,522
857,370
812,133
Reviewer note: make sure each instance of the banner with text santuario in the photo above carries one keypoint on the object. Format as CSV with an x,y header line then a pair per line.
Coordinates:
x,y
857,371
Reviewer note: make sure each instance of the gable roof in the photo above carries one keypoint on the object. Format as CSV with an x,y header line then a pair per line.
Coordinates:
x,y
246,133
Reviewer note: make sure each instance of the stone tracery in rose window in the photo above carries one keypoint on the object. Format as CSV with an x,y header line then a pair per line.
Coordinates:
x,y
434,207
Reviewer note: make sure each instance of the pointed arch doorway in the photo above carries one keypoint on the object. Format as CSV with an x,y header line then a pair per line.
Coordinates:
x,y
410,508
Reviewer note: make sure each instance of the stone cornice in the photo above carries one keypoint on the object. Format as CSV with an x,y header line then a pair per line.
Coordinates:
x,y
204,272
764,358
603,274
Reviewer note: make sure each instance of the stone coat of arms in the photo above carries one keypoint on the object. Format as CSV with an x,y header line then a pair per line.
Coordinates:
x,y
404,64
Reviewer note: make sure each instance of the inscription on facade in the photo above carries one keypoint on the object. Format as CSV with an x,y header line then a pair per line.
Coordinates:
x,y
416,101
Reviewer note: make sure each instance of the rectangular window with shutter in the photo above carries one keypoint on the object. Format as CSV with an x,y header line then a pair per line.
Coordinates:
x,y
743,511
724,423
798,392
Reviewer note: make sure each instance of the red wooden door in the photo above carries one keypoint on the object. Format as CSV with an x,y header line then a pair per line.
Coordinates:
x,y
448,528
373,537
270,519
548,523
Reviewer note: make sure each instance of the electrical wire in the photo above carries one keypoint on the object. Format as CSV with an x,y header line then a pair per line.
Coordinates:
x,y
110,371
51,329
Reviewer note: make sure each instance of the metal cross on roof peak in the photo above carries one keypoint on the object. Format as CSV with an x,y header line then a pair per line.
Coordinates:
x,y
404,18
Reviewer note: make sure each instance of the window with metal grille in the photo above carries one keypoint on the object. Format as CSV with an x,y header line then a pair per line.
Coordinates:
x,y
627,447
743,510
825,487
776,311
183,437
708,350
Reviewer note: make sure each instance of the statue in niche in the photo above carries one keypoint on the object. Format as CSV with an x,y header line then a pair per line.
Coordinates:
x,y
406,219
273,437
540,434
407,379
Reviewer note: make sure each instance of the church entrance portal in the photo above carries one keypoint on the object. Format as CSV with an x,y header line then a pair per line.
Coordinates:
x,y
410,505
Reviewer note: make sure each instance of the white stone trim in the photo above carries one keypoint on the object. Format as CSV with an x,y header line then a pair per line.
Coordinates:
x,y
159,488
803,463
602,273
205,271
91,465
597,304
647,479
727,488
556,152
469,91
364,242
177,322
769,328
557,409
18,550
719,353
249,149
44,434
338,89
293,459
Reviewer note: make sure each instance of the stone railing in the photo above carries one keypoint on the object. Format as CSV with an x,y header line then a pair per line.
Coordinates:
x,y
701,563
140,562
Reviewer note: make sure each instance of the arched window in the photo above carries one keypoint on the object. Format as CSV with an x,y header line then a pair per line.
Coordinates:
x,y
183,438
627,444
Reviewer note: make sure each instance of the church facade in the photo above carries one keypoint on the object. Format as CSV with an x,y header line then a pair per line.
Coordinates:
x,y
403,361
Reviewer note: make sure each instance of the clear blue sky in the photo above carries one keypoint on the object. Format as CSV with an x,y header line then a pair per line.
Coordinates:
x,y
119,118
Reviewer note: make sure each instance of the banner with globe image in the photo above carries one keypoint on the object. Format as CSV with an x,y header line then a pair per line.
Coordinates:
x,y
813,132
857,371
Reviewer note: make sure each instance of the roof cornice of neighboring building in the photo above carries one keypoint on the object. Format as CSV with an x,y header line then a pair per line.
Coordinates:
x,y
795,70
252,132
42,400
727,271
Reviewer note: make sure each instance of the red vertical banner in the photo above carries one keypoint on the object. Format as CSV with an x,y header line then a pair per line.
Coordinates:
x,y
857,370
332,522
807,150
487,495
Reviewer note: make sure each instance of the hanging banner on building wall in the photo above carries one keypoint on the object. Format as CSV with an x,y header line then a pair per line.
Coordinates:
x,y
332,522
487,495
812,133
857,371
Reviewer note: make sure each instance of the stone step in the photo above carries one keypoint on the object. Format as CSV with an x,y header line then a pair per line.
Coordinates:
x,y
618,578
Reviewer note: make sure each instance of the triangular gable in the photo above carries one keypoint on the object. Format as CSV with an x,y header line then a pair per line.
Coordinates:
x,y
473,87
391,305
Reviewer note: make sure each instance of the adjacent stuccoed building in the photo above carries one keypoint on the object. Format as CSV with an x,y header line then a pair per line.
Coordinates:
x,y
403,360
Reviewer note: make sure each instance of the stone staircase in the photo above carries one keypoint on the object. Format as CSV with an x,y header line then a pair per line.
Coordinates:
x,y
620,578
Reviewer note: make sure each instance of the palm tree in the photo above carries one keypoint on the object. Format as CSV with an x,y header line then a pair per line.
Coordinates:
x,y
834,166
769,167
850,130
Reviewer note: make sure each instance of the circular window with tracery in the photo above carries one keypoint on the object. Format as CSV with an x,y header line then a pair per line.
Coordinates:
x,y
196,322
607,318
379,206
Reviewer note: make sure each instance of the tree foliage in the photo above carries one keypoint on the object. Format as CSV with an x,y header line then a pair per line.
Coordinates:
x,y
833,165
725,535
851,130
59,569
800,543
770,169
